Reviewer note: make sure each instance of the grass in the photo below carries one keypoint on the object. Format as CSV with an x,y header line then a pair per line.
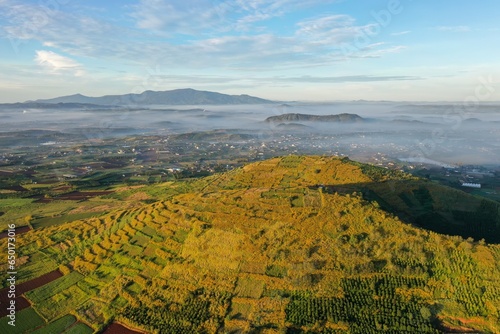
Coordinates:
x,y
140,239
488,193
31,186
34,269
134,288
79,328
120,260
62,303
94,313
249,288
276,271
180,236
52,221
56,212
90,286
119,302
150,250
150,232
59,285
14,202
240,310
107,273
57,326
26,320
132,250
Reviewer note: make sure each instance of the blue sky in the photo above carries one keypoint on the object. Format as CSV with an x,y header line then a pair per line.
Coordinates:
x,y
285,49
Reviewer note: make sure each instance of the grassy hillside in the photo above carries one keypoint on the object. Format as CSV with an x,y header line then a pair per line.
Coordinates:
x,y
287,245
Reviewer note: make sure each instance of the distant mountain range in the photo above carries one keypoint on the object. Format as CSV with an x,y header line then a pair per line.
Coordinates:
x,y
171,97
46,105
344,118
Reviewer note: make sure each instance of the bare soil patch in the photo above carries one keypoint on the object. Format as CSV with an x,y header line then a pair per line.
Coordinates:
x,y
22,302
19,230
117,328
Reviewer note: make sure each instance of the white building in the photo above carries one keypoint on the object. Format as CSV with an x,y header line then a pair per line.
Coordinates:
x,y
471,185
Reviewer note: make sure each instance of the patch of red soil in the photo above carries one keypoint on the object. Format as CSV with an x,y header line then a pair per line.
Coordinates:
x,y
16,188
73,196
19,230
116,328
62,188
22,302
78,196
43,200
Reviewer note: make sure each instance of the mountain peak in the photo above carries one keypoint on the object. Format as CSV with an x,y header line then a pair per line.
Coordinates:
x,y
183,96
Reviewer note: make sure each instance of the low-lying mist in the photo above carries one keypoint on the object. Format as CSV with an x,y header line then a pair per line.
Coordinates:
x,y
443,132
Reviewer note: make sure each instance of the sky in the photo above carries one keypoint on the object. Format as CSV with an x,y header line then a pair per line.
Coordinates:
x,y
306,50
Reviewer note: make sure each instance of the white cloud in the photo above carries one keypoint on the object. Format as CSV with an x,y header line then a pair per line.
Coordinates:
x,y
338,38
453,28
312,42
73,33
329,29
207,17
185,17
55,63
377,53
349,78
400,33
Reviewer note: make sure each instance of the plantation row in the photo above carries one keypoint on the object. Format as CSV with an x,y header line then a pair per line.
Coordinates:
x,y
370,305
194,315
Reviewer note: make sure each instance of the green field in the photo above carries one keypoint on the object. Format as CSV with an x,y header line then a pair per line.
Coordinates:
x,y
50,221
38,295
26,320
79,328
62,303
14,202
57,326
43,264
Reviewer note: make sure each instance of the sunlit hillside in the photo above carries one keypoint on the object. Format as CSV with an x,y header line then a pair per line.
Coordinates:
x,y
287,245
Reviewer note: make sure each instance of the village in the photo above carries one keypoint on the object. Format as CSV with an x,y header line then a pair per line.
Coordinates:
x,y
152,159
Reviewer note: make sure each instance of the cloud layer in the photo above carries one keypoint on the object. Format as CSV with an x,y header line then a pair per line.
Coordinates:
x,y
221,35
259,45
57,63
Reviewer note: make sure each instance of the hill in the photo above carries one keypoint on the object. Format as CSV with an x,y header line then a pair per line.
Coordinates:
x,y
294,117
171,97
287,245
46,105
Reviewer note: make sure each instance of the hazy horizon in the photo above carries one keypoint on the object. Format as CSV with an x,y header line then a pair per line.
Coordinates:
x,y
444,102
433,131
